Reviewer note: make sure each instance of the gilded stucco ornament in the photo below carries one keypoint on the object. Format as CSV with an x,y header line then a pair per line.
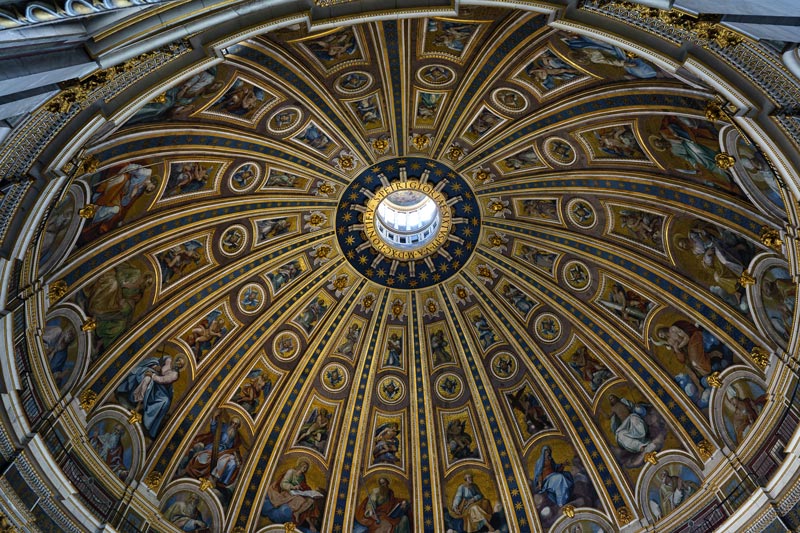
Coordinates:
x,y
64,100
90,324
368,301
56,290
328,3
746,279
346,162
456,152
380,146
88,211
206,483
321,253
724,161
771,238
420,142
397,309
568,510
135,417
651,457
87,399
88,165
760,357
5,525
498,207
624,515
482,176
461,294
705,449
78,93
715,111
714,381
153,480
705,28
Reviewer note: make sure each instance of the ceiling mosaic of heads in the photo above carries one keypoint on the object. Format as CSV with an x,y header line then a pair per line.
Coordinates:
x,y
591,346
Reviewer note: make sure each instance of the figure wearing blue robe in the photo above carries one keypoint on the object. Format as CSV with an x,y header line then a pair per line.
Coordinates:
x,y
149,385
485,331
550,478
636,67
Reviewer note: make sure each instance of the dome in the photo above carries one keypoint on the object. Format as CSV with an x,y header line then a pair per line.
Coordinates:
x,y
493,267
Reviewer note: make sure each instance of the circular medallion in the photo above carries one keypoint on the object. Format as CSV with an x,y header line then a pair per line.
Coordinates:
x,y
334,377
244,177
286,345
559,151
251,298
577,276
284,119
436,75
581,213
391,390
509,100
408,222
547,327
449,387
504,365
353,82
233,240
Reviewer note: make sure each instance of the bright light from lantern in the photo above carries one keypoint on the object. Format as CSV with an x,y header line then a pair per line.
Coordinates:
x,y
407,219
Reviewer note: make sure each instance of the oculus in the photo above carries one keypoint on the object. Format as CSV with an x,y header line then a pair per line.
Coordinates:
x,y
408,222
410,216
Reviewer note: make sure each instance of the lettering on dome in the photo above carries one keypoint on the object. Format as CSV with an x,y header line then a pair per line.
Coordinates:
x,y
408,223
